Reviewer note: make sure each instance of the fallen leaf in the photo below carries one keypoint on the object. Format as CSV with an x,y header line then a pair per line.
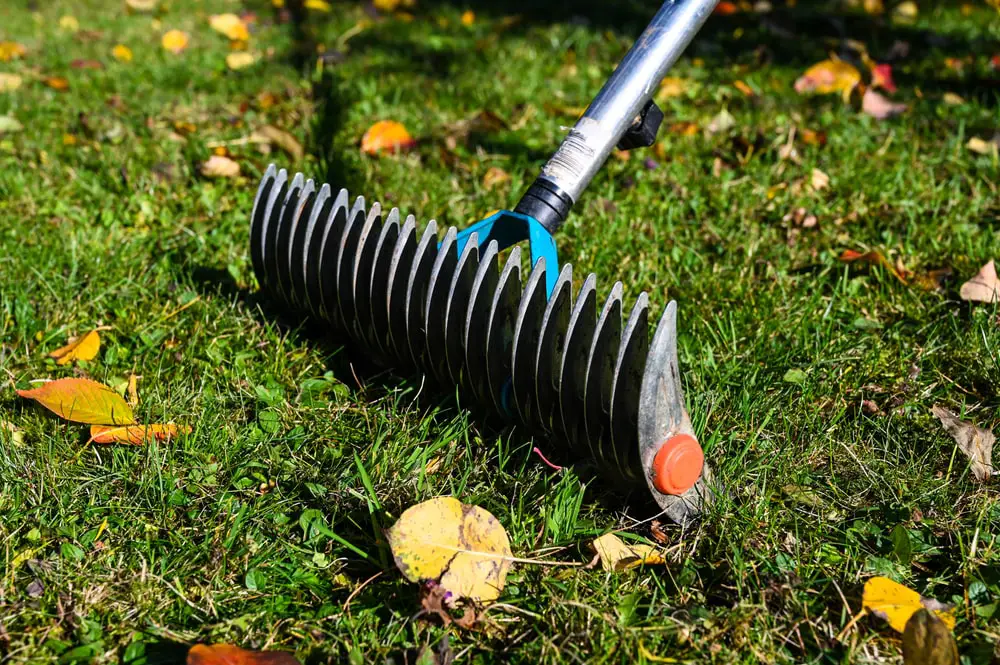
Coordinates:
x,y
57,83
975,442
744,88
16,436
726,8
494,176
874,7
879,106
882,78
896,604
282,139
121,53
984,287
175,41
9,82
951,99
905,12
132,390
82,401
141,6
386,136
230,25
227,654
240,60
927,641
318,5
468,17
723,121
84,347
11,51
464,548
873,257
69,24
671,86
218,166
83,63
829,76
983,147
136,435
615,555
819,180
9,124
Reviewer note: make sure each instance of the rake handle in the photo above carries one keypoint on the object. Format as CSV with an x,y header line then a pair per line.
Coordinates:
x,y
624,95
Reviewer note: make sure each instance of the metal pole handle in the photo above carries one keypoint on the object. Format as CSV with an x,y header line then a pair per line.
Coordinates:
x,y
614,109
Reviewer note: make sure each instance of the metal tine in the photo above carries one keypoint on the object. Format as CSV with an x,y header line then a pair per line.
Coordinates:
x,y
500,333
258,219
294,239
573,372
459,298
328,249
551,343
527,329
301,243
378,285
325,211
416,293
399,271
599,380
627,388
476,326
276,256
435,358
274,199
361,275
344,270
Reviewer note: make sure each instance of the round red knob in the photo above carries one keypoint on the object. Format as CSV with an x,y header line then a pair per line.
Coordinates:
x,y
677,464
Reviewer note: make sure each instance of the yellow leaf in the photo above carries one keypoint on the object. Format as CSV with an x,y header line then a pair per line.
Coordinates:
x,y
318,5
463,547
69,23
905,12
136,435
122,53
468,17
896,604
82,401
175,41
494,176
132,390
615,555
230,25
386,136
218,166
829,76
240,60
57,83
927,641
15,434
386,6
951,99
671,86
140,6
11,51
79,348
9,82
982,147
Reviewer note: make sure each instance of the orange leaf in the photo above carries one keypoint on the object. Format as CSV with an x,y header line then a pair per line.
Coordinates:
x,y
57,83
386,136
829,76
230,25
84,347
82,401
872,258
725,8
11,51
136,435
882,78
175,41
227,654
469,17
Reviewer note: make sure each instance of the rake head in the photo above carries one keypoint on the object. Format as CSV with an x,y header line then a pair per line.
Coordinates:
x,y
560,361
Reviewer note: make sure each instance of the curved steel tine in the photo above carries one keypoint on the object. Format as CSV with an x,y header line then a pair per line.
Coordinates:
x,y
277,248
346,254
292,271
258,220
275,200
378,286
626,390
459,295
599,380
477,325
573,372
527,330
362,273
551,345
322,269
311,232
417,284
400,266
435,358
500,335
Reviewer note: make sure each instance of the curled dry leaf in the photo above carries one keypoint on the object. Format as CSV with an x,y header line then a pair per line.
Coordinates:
x,y
240,60
829,76
927,641
219,166
975,442
230,25
819,180
879,106
84,347
82,401
464,548
984,287
280,138
175,41
494,176
9,82
136,435
227,654
873,257
896,603
121,53
615,555
386,136
11,51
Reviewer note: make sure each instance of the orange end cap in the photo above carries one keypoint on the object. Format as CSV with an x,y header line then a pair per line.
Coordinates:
x,y
677,464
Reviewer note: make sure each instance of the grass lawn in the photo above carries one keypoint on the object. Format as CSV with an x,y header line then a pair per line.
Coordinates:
x,y
810,381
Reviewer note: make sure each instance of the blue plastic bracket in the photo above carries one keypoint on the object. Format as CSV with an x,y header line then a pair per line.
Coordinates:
x,y
509,228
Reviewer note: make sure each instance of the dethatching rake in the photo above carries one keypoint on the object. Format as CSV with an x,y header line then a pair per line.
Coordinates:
x,y
533,350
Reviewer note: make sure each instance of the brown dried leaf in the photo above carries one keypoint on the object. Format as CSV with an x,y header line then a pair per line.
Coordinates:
x,y
218,166
975,442
928,641
136,435
984,287
280,138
